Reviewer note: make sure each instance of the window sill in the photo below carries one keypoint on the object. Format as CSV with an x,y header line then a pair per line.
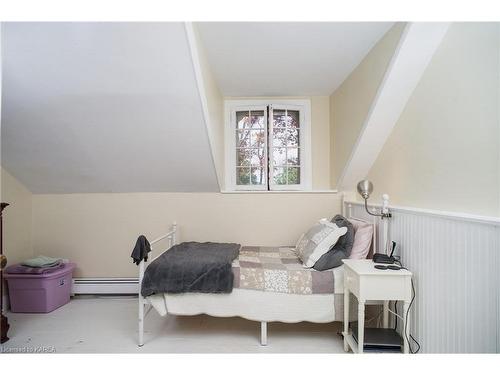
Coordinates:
x,y
279,191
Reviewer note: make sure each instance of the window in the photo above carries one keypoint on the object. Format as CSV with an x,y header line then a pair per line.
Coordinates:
x,y
267,145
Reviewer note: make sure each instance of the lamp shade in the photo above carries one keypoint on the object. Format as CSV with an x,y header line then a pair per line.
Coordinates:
x,y
365,188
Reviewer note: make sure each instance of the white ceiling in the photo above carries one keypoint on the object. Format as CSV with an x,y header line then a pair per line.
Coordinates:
x,y
102,107
286,59
114,107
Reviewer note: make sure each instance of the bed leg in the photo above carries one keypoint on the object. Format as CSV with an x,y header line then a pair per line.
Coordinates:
x,y
263,333
141,320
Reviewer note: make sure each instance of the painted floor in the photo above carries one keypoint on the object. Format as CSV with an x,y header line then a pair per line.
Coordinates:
x,y
109,325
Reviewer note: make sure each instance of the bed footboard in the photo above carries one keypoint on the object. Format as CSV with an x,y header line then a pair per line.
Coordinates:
x,y
171,238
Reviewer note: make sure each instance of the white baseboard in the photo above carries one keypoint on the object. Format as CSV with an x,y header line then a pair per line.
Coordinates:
x,y
126,285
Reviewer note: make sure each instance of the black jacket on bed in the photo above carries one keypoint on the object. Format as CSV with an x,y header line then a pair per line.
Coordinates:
x,y
141,250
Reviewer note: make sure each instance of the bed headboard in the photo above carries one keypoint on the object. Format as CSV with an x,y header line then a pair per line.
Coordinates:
x,y
355,210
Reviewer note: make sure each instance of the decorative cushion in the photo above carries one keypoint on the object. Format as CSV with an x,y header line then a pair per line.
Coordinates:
x,y
341,250
317,241
363,235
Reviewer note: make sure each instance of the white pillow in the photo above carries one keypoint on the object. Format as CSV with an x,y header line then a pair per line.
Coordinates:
x,y
318,241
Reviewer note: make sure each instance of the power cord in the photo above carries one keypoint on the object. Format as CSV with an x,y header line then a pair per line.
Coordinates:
x,y
406,324
408,336
395,314
396,311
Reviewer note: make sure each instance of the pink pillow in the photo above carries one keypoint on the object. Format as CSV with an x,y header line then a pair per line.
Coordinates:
x,y
363,235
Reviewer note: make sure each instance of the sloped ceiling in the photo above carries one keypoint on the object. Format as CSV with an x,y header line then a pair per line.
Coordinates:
x,y
102,107
114,107
286,58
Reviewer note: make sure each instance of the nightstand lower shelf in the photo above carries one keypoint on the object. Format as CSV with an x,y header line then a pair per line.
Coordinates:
x,y
376,340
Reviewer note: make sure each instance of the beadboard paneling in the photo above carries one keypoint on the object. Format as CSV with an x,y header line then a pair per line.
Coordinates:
x,y
455,262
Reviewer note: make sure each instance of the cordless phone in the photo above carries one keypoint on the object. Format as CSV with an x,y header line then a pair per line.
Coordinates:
x,y
384,258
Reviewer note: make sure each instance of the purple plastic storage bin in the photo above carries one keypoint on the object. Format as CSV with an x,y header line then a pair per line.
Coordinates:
x,y
40,293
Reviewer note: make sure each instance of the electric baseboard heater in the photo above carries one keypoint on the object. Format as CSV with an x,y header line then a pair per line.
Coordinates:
x,y
105,285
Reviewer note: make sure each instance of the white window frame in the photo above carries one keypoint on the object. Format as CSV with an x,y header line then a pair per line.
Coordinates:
x,y
230,109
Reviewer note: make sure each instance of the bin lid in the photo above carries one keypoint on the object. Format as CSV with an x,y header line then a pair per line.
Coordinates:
x,y
68,267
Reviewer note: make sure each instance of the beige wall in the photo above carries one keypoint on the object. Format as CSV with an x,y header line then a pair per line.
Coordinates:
x,y
351,102
320,137
98,231
320,141
444,151
17,225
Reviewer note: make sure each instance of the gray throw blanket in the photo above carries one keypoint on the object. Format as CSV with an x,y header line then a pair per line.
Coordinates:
x,y
192,267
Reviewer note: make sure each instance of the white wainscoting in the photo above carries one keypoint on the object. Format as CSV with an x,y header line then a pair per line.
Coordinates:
x,y
455,260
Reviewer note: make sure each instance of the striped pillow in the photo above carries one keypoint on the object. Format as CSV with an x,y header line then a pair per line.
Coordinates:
x,y
363,234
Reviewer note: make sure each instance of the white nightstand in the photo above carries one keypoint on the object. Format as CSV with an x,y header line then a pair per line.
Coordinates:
x,y
366,282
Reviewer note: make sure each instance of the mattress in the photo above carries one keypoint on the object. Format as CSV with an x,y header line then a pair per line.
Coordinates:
x,y
278,269
260,305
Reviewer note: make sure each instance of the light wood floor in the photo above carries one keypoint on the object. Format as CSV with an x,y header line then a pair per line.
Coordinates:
x,y
106,325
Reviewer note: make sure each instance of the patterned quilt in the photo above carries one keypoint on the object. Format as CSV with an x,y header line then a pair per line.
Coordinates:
x,y
278,269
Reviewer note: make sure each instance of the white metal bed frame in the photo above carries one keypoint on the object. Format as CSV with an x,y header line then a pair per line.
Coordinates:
x,y
171,238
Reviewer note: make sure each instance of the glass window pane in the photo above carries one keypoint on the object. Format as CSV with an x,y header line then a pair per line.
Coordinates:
x,y
286,137
242,157
292,120
293,156
279,176
243,138
258,176
258,157
279,156
250,156
242,120
293,177
242,176
257,138
292,137
257,120
279,118
279,137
